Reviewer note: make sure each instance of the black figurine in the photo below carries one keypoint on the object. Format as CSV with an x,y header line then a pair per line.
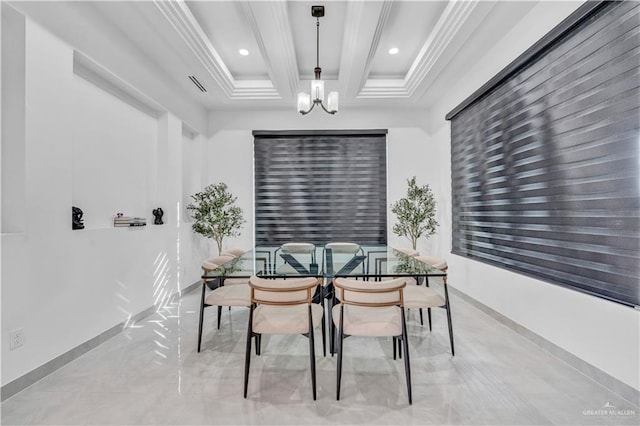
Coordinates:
x,y
76,218
158,215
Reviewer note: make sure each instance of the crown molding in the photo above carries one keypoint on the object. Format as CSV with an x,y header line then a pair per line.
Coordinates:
x,y
449,24
182,20
384,88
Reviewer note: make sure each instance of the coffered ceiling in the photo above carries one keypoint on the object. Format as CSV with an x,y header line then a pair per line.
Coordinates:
x,y
436,42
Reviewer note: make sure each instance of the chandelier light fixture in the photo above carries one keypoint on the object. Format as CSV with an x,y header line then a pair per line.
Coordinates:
x,y
306,101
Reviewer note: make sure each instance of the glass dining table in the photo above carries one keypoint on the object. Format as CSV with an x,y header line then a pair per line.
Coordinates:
x,y
374,262
369,262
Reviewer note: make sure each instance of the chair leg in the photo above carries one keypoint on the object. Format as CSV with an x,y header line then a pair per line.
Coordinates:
x,y
421,321
396,346
407,365
219,316
448,308
324,326
312,355
332,327
340,342
450,330
247,356
332,339
201,316
394,349
324,337
426,283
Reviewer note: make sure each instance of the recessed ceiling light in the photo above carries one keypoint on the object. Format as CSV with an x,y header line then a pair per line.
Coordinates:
x,y
393,51
243,52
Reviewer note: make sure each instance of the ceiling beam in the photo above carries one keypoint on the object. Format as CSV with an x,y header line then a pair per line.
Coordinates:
x,y
363,26
274,37
185,24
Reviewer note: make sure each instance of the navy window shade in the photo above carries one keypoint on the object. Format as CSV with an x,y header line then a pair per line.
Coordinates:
x,y
545,159
320,186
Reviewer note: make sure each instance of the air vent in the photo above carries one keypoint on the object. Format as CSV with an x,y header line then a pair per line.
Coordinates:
x,y
199,85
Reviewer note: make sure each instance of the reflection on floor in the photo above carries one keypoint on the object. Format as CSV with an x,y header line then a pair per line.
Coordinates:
x,y
152,374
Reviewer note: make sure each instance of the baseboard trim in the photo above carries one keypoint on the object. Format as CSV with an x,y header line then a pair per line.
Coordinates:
x,y
190,288
26,380
620,388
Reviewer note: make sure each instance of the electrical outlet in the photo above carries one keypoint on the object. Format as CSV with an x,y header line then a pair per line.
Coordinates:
x,y
17,339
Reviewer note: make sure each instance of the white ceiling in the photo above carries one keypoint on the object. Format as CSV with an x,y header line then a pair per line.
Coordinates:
x,y
437,41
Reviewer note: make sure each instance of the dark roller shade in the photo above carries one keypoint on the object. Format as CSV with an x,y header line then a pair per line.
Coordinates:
x,y
320,186
545,163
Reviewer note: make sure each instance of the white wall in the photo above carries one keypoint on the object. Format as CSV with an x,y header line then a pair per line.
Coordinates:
x,y
602,333
13,116
84,147
194,248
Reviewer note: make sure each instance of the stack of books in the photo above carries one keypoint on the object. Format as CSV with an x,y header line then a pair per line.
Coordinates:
x,y
127,221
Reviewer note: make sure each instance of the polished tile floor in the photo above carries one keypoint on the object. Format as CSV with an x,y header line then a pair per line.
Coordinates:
x,y
152,374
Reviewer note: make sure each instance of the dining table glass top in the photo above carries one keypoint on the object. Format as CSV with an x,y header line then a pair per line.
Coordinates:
x,y
325,261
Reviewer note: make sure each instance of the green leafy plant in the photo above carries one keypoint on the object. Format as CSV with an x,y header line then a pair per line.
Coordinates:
x,y
215,214
416,213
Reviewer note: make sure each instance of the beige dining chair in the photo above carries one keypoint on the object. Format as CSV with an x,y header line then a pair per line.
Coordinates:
x,y
223,294
423,296
236,253
294,254
374,309
408,251
341,254
212,263
283,306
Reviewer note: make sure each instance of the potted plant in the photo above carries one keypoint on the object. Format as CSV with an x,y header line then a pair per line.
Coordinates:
x,y
215,213
416,213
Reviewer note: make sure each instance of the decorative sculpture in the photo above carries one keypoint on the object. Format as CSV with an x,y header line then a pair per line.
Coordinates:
x,y
76,218
158,215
